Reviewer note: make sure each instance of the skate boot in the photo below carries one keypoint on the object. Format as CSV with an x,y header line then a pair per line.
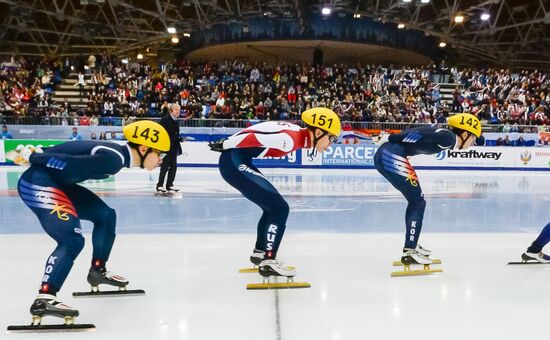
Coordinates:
x,y
535,257
160,190
47,305
273,268
172,190
102,276
423,251
413,256
257,256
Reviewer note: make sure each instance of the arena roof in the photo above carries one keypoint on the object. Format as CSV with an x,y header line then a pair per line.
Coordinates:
x,y
516,32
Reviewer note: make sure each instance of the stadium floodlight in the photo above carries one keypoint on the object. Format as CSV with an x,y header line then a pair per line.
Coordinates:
x,y
357,16
187,34
326,11
485,16
459,18
175,40
171,30
124,61
400,26
425,1
140,56
442,44
407,0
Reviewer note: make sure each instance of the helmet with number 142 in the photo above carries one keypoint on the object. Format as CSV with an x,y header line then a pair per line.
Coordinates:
x,y
324,119
467,122
148,133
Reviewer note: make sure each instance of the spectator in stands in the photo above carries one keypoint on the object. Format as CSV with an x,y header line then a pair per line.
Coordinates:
x,y
499,141
80,83
93,136
5,133
75,135
520,141
480,141
506,141
102,136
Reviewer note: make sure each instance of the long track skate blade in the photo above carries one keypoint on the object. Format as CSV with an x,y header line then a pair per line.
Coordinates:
x,y
178,195
255,270
529,262
278,285
110,293
51,328
399,263
415,272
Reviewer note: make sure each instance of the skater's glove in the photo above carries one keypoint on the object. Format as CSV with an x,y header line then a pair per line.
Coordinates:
x,y
217,145
22,154
381,139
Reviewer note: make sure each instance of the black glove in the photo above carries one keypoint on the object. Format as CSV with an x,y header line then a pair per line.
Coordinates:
x,y
217,145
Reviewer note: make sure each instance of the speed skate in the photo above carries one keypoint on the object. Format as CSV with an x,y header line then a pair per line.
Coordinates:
x,y
532,258
413,257
47,305
97,277
272,269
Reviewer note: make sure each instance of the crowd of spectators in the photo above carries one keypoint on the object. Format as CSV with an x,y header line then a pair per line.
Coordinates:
x,y
261,91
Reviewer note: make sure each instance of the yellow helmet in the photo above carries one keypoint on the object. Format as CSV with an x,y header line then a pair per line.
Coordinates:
x,y
324,119
467,122
148,133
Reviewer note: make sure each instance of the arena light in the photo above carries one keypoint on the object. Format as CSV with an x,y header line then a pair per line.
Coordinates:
x,y
407,0
140,56
187,34
401,26
175,40
326,11
442,44
357,16
171,30
125,61
425,1
485,16
459,19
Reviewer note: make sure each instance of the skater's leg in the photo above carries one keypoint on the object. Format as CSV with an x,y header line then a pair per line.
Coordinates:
x,y
91,208
263,224
243,176
398,171
541,241
59,219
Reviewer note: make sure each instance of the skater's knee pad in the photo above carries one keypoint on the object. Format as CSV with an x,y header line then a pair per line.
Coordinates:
x,y
73,246
280,208
106,217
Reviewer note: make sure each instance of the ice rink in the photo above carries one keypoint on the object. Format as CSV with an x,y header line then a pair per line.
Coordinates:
x,y
345,229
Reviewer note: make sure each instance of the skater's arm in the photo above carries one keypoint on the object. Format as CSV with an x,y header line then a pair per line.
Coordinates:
x,y
442,137
77,168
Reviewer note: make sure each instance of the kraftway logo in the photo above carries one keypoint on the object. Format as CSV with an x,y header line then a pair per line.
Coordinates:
x,y
467,154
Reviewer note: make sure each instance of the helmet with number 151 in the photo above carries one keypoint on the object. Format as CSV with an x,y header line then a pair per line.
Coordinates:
x,y
324,119
148,133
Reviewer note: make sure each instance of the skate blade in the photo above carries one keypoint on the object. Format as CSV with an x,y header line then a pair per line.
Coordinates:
x,y
399,263
255,270
278,285
178,195
527,262
51,328
110,293
416,272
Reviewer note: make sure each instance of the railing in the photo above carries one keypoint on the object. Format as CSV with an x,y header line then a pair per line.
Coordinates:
x,y
232,123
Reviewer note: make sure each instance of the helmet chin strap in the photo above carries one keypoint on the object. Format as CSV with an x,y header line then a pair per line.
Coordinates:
x,y
142,157
463,140
311,154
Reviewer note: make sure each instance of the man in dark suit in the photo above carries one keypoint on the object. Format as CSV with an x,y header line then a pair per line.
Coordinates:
x,y
169,163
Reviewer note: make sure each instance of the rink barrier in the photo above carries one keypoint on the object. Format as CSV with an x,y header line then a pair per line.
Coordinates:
x,y
361,156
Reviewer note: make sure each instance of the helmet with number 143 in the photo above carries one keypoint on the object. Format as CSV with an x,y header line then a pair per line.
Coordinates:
x,y
149,141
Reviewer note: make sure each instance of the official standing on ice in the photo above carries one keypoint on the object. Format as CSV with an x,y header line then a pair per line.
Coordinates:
x,y
170,162
391,160
271,139
49,188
